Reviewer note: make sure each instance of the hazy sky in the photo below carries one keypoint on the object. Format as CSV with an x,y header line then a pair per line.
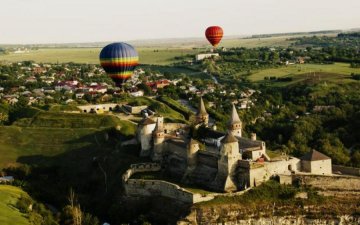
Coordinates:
x,y
49,21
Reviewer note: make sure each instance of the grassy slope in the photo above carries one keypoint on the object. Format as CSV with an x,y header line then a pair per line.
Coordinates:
x,y
342,69
69,120
8,213
50,134
161,108
17,142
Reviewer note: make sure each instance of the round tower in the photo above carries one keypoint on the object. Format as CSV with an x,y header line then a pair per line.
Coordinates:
x,y
235,124
192,150
227,163
159,138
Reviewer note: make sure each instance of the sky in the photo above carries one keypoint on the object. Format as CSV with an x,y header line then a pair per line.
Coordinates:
x,y
69,21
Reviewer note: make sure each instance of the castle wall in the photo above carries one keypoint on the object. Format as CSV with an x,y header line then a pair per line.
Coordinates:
x,y
248,143
151,188
138,168
175,158
174,126
207,159
135,109
346,170
264,171
103,107
330,183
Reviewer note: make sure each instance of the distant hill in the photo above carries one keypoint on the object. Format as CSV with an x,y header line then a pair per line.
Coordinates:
x,y
173,42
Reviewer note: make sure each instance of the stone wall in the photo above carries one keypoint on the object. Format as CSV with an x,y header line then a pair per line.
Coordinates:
x,y
135,109
319,167
174,126
151,188
138,168
269,169
103,107
330,183
207,159
346,170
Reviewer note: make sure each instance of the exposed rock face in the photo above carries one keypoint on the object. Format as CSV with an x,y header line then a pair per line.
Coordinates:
x,y
211,217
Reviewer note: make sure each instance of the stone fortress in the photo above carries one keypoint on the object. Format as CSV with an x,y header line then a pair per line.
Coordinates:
x,y
217,161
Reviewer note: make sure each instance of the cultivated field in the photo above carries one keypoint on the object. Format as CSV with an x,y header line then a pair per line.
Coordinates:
x,y
9,215
159,54
307,71
162,56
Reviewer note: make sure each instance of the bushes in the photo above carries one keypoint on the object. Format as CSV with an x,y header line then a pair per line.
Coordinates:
x,y
37,213
355,76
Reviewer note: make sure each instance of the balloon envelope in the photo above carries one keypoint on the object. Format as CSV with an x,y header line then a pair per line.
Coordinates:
x,y
214,35
119,61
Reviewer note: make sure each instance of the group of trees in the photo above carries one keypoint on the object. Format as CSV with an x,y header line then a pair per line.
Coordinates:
x,y
295,126
342,48
39,214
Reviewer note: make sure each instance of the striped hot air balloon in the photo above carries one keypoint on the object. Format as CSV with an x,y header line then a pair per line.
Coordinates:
x,y
214,35
119,61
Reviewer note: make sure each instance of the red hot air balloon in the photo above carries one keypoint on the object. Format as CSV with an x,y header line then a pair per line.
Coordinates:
x,y
214,35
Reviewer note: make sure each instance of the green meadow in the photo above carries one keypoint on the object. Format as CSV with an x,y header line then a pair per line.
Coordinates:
x,y
9,215
160,54
337,72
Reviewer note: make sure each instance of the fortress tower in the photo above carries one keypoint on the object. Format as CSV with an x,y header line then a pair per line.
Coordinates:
x,y
144,135
227,163
202,117
235,124
192,150
158,137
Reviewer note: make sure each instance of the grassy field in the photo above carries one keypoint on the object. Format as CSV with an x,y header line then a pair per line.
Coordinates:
x,y
337,72
163,54
50,133
18,142
9,215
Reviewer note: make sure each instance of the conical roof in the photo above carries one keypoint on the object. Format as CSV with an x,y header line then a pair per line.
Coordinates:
x,y
314,155
234,118
229,138
202,110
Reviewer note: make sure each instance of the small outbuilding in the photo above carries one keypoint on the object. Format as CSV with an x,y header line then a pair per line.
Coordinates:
x,y
316,163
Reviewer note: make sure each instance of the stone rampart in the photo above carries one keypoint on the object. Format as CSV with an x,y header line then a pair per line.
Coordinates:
x,y
138,168
151,188
346,170
104,107
330,183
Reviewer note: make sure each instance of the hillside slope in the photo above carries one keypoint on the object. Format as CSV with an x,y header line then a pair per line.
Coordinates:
x,y
8,213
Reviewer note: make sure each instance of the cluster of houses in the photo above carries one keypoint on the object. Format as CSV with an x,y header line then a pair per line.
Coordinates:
x,y
67,83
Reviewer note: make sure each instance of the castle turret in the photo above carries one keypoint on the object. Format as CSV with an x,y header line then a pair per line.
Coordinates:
x,y
202,117
227,163
235,124
192,150
144,135
158,137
